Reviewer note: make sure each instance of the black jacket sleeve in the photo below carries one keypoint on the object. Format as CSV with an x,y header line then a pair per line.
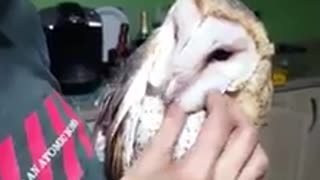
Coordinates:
x,y
26,85
21,32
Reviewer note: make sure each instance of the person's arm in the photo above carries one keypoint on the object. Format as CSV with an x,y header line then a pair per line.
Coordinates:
x,y
51,142
40,136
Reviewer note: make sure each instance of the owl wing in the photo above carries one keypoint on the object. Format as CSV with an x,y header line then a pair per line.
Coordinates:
x,y
109,118
131,86
109,126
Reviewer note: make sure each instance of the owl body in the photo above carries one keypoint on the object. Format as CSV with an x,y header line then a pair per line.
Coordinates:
x,y
203,45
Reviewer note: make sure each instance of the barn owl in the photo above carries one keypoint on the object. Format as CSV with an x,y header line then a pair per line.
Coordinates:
x,y
202,45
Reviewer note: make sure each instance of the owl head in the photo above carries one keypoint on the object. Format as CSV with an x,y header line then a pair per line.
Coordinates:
x,y
204,45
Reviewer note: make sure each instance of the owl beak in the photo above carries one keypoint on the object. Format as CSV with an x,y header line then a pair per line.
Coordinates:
x,y
175,88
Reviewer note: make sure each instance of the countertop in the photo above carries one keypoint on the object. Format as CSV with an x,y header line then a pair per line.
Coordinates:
x,y
299,84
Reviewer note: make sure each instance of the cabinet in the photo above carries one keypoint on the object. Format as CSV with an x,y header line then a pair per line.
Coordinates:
x,y
292,138
310,155
283,137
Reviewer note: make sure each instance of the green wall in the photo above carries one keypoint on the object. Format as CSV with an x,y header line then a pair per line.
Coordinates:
x,y
290,20
286,20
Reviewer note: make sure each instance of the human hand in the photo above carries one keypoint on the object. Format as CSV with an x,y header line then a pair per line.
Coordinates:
x,y
227,148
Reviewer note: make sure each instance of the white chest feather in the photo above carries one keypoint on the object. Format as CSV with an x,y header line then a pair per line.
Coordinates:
x,y
144,121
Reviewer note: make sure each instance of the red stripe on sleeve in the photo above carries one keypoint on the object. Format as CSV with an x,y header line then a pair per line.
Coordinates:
x,y
71,162
36,145
9,168
83,136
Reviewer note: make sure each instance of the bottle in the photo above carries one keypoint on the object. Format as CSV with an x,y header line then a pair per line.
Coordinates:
x,y
122,46
122,51
144,29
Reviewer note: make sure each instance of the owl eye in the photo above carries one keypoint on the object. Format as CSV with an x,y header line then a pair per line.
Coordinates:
x,y
220,55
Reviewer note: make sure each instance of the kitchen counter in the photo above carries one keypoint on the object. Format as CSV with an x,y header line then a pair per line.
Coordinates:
x,y
298,84
87,105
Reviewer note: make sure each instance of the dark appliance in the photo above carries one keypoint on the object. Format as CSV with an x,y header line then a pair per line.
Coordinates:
x,y
74,39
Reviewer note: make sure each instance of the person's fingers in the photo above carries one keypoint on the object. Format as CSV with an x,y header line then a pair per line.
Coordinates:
x,y
237,152
256,167
161,147
171,127
237,114
211,139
